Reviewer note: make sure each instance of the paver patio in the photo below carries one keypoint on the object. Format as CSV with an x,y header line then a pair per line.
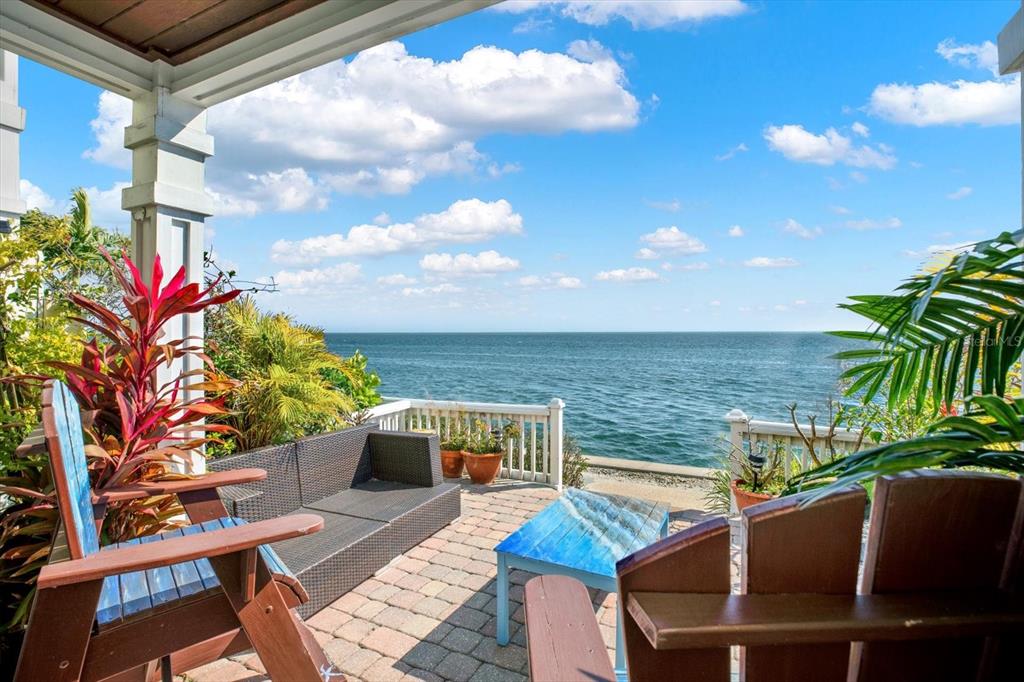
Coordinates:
x,y
430,614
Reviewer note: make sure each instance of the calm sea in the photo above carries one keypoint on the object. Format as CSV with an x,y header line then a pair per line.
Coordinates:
x,y
657,396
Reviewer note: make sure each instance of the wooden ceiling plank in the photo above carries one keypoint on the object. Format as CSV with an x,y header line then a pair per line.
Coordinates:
x,y
95,12
152,17
240,30
225,15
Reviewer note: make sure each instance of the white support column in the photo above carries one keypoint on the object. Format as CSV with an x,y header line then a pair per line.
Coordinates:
x,y
168,203
1011,60
12,122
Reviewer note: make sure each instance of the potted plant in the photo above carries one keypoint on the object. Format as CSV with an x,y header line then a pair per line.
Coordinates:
x,y
485,449
762,475
451,451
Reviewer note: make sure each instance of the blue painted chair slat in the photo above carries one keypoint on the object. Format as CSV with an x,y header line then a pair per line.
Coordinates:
x,y
203,566
71,475
160,580
186,575
134,589
108,610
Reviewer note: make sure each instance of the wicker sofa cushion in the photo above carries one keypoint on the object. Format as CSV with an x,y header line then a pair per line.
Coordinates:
x,y
379,500
340,532
334,461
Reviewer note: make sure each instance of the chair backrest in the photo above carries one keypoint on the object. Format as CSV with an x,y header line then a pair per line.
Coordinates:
x,y
789,549
937,531
332,462
693,560
62,426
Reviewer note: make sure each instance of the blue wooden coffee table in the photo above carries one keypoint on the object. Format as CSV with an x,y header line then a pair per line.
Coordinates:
x,y
582,535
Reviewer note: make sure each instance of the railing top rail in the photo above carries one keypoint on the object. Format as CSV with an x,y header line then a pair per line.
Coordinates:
x,y
467,406
766,428
392,406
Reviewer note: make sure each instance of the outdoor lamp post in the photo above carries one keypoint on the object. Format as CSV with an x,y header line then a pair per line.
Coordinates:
x,y
756,460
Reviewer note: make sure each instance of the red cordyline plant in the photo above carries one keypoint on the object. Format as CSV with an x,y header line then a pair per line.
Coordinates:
x,y
139,424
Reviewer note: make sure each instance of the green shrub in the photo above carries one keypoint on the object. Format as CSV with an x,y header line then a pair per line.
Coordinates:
x,y
574,462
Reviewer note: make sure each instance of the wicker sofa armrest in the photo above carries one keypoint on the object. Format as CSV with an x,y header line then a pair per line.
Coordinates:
x,y
413,458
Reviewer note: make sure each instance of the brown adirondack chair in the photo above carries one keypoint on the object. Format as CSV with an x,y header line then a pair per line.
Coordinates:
x,y
166,603
941,597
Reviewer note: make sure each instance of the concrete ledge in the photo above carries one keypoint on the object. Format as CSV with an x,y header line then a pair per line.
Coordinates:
x,y
649,467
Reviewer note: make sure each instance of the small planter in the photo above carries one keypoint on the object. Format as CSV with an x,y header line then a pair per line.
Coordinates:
x,y
483,469
451,463
745,498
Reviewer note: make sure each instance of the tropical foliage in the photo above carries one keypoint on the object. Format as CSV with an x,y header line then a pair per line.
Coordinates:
x,y
41,262
284,370
946,339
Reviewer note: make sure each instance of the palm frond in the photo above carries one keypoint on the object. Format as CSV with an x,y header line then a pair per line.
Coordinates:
x,y
945,335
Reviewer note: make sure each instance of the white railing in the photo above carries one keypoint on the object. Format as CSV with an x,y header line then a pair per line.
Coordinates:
x,y
534,455
743,430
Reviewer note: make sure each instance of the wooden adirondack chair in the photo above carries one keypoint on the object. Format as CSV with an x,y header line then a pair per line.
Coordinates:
x,y
174,600
941,597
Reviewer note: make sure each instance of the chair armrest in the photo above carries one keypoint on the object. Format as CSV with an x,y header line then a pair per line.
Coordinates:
x,y
413,458
149,488
175,550
563,640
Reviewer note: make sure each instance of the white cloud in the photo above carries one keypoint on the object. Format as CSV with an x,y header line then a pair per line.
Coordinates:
x,y
827,149
396,280
733,151
981,56
736,231
465,221
106,207
857,176
987,103
890,223
291,190
793,227
641,14
766,262
382,218
484,263
839,210
715,303
444,288
555,280
780,308
938,248
860,129
35,197
961,193
627,275
685,267
672,240
114,113
318,280
646,254
588,51
386,120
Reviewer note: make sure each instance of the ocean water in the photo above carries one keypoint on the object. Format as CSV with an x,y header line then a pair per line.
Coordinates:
x,y
657,396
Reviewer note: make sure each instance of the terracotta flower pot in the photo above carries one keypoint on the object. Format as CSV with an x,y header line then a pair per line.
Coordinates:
x,y
483,469
451,463
745,498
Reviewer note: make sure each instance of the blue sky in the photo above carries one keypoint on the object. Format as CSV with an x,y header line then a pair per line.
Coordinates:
x,y
593,166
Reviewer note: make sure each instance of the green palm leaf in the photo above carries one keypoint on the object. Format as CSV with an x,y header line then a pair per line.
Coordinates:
x,y
946,335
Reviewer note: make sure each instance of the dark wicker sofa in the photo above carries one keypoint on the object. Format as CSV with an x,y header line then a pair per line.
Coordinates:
x,y
380,493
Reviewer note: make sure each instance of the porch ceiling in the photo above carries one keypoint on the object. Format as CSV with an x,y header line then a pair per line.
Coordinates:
x,y
172,31
207,51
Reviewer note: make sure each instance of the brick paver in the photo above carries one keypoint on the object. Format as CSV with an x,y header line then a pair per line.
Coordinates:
x,y
430,615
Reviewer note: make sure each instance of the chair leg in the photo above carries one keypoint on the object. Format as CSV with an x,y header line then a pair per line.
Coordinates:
x,y
286,648
58,633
